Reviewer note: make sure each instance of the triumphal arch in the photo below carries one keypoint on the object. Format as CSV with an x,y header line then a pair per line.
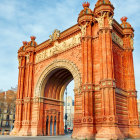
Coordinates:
x,y
97,53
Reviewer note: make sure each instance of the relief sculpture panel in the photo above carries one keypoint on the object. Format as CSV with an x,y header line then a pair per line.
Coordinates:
x,y
58,48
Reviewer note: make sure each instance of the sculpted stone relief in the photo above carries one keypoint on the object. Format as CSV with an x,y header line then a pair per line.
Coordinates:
x,y
117,39
58,48
132,43
19,61
55,35
27,58
83,29
110,21
101,21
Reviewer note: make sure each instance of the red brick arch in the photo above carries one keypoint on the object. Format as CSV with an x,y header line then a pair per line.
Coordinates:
x,y
97,53
73,69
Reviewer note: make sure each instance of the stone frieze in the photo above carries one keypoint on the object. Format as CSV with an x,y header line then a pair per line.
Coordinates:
x,y
117,39
58,48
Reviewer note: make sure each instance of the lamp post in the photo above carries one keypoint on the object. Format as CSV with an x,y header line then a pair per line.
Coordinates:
x,y
66,112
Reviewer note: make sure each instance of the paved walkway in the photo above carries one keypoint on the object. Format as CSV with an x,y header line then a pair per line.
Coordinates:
x,y
66,137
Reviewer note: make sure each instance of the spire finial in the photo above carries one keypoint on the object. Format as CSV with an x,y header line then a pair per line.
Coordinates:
x,y
124,19
25,43
86,4
33,37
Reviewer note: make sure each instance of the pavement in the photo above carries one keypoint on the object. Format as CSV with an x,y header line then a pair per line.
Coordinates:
x,y
66,137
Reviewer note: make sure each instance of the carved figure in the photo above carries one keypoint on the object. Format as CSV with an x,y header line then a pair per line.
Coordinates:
x,y
132,43
55,35
110,21
101,20
19,60
83,29
27,58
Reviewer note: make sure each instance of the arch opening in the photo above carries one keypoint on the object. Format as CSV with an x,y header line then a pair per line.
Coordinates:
x,y
51,69
56,83
53,107
69,108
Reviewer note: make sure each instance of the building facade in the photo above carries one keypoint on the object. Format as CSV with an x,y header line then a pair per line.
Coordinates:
x,y
7,111
69,111
97,53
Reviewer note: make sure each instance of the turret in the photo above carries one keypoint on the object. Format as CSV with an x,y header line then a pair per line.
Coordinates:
x,y
104,12
103,6
86,15
128,33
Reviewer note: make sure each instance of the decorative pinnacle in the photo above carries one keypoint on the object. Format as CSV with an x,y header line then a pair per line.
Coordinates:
x,y
124,19
25,43
33,37
86,4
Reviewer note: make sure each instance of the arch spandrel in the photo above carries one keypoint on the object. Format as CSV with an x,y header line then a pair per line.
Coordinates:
x,y
39,88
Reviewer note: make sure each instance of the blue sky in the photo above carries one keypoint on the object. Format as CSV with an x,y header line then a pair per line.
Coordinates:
x,y
21,19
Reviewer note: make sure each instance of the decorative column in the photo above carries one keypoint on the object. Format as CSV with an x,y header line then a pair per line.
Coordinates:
x,y
129,79
85,21
57,123
37,117
109,122
77,112
28,87
53,126
61,124
19,101
49,122
45,123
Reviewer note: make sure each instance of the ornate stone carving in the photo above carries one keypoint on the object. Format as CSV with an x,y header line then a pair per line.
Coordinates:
x,y
107,83
110,21
27,58
132,43
58,48
101,21
83,29
27,100
55,35
19,60
19,101
117,39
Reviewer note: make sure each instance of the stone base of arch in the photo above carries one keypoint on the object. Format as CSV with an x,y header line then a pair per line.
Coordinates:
x,y
85,132
109,133
134,132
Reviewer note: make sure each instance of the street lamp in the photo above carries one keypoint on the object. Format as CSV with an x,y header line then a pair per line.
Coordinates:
x,y
66,112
